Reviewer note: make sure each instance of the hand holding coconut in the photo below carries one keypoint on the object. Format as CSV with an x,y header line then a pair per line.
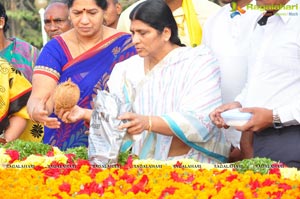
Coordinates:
x,y
66,97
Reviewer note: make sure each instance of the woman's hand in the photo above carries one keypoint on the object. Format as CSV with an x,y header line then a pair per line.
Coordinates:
x,y
39,113
74,114
215,115
135,124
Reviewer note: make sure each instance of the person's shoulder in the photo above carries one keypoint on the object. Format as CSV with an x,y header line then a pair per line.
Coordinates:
x,y
201,52
19,41
219,14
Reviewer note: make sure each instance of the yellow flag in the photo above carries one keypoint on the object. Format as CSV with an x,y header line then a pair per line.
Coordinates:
x,y
194,28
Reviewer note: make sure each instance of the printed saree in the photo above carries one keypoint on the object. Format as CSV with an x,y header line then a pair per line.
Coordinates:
x,y
182,89
14,93
21,55
90,71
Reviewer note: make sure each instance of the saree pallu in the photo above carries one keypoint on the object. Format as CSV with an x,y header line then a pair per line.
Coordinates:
x,y
21,55
90,71
14,93
182,89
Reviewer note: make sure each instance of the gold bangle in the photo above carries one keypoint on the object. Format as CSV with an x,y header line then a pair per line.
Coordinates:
x,y
150,124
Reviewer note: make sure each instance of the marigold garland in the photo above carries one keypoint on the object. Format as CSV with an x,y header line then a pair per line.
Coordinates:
x,y
58,175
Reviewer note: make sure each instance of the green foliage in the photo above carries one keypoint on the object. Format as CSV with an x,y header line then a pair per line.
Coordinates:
x,y
79,152
123,156
22,15
26,148
24,21
257,165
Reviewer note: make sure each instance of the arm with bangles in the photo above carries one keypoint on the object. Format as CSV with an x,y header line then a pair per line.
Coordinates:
x,y
40,104
136,125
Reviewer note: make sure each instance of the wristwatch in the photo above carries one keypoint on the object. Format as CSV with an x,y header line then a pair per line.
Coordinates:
x,y
276,120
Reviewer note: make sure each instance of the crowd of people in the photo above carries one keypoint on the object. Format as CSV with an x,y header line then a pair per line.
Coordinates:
x,y
187,62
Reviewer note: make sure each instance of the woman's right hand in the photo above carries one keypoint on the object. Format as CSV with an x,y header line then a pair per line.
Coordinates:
x,y
215,115
39,113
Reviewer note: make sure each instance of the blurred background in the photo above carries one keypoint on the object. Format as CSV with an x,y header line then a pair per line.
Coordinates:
x,y
25,21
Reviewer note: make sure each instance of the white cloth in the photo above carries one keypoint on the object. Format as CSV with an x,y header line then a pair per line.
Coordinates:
x,y
274,67
229,39
203,8
182,89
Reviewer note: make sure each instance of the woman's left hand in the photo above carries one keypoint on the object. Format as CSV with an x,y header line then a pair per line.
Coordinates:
x,y
135,124
73,115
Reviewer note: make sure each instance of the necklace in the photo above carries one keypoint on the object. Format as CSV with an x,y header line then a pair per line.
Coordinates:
x,y
82,47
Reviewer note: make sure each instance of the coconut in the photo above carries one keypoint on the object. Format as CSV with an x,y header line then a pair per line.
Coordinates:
x,y
66,96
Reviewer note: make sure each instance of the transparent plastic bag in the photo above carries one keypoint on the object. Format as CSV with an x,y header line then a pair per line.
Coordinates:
x,y
105,138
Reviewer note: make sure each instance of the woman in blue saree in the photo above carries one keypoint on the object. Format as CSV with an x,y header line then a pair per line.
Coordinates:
x,y
86,54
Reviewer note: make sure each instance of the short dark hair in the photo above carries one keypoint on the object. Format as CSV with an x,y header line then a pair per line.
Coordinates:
x,y
101,3
158,15
3,14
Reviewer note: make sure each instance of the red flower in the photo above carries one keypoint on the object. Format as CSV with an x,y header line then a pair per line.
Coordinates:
x,y
66,187
231,177
167,191
38,168
177,165
129,178
177,178
70,157
14,155
109,181
219,186
198,186
140,186
275,195
239,195
267,182
52,172
284,186
254,184
129,163
50,153
82,162
92,187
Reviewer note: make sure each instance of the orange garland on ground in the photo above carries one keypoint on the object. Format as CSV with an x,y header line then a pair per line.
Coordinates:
x,y
66,178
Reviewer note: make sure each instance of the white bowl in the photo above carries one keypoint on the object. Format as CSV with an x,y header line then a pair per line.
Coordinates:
x,y
236,118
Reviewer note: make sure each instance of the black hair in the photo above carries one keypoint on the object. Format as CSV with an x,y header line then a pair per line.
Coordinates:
x,y
3,14
158,15
101,3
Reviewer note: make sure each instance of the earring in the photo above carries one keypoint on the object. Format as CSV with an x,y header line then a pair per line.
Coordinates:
x,y
1,27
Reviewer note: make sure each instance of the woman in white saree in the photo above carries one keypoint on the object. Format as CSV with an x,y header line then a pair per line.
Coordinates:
x,y
172,88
